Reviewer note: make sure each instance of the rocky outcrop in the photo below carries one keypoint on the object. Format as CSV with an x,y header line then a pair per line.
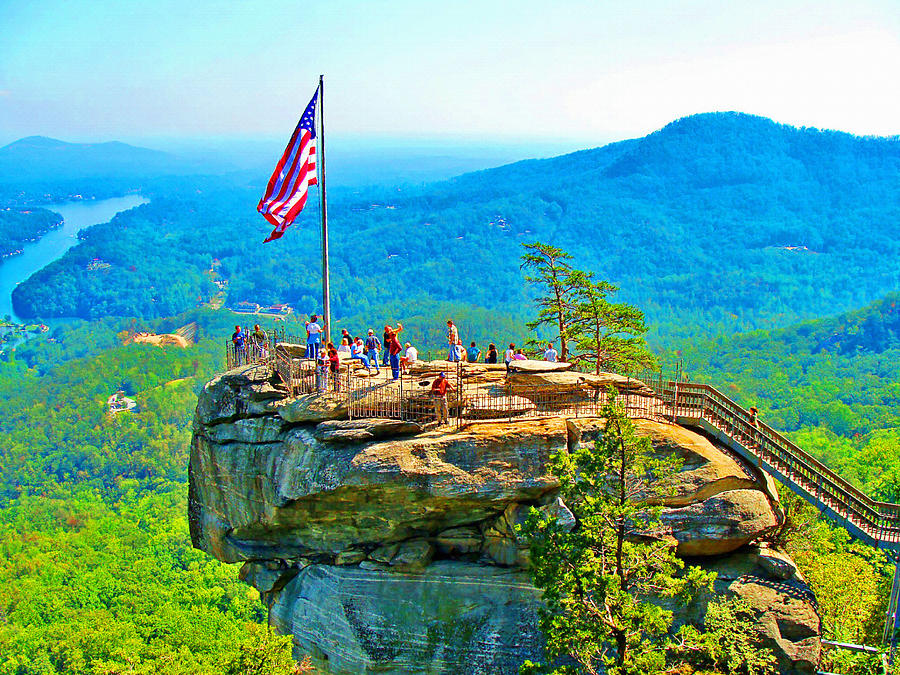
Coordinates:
x,y
385,548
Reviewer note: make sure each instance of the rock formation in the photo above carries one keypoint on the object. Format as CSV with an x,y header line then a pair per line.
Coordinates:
x,y
383,547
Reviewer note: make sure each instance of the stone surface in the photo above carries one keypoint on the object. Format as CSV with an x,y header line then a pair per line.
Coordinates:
x,y
298,495
314,408
788,620
413,555
530,366
349,558
354,431
719,524
459,540
570,380
453,618
419,566
267,577
292,349
706,468
777,564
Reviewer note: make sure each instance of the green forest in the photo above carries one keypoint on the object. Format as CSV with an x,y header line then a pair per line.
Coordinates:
x,y
716,223
750,247
97,574
18,226
833,384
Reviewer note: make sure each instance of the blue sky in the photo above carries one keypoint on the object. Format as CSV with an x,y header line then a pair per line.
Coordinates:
x,y
581,73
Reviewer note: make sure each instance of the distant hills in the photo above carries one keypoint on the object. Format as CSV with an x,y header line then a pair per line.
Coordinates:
x,y
38,158
716,223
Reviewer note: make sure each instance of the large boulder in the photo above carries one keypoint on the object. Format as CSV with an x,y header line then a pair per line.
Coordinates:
x,y
315,408
296,495
568,380
386,549
453,617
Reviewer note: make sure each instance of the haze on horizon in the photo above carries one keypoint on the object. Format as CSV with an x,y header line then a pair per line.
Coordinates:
x,y
580,75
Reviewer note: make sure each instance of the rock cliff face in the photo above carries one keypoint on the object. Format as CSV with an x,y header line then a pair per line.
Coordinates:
x,y
383,548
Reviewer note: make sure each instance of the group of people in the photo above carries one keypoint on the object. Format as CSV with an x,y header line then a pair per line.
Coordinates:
x,y
366,351
248,347
375,353
471,354
371,351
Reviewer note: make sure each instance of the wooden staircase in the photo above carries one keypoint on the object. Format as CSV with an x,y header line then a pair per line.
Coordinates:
x,y
873,522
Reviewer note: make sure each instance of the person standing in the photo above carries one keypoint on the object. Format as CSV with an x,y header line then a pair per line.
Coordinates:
x,y
237,342
322,365
492,355
509,354
258,339
394,349
386,355
550,353
453,340
373,344
313,337
473,353
334,366
439,390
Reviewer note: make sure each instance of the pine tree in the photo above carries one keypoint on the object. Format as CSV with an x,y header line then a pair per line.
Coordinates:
x,y
553,275
597,576
608,334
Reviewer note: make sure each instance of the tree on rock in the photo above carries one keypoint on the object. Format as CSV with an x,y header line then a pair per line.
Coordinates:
x,y
552,273
596,576
609,334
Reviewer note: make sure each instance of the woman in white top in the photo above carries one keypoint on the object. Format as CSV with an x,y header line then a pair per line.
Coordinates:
x,y
344,347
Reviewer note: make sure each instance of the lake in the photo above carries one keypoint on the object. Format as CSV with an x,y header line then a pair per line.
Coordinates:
x,y
77,216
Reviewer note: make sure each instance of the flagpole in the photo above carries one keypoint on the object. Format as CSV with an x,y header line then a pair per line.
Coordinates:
x,y
320,160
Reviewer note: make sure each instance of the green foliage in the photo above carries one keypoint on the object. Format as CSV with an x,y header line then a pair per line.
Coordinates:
x,y
834,383
729,641
553,278
97,572
609,334
596,577
19,226
263,653
576,310
695,221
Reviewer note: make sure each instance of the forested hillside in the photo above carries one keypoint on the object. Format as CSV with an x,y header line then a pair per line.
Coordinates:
x,y
18,226
96,569
97,574
834,383
717,222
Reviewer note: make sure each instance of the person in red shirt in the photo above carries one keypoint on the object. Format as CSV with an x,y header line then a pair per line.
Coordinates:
x,y
439,389
334,362
393,348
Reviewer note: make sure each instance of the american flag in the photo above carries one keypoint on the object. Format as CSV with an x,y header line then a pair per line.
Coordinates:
x,y
288,187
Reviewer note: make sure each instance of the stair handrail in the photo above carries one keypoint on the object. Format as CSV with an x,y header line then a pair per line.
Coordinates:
x,y
803,456
880,520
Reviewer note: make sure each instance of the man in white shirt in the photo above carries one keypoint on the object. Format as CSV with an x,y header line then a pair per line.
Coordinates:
x,y
409,357
550,353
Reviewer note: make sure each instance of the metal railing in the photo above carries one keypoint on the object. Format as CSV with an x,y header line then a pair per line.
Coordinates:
x,y
485,395
877,523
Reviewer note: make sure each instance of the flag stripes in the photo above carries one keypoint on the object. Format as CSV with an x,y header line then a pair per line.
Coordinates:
x,y
288,187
